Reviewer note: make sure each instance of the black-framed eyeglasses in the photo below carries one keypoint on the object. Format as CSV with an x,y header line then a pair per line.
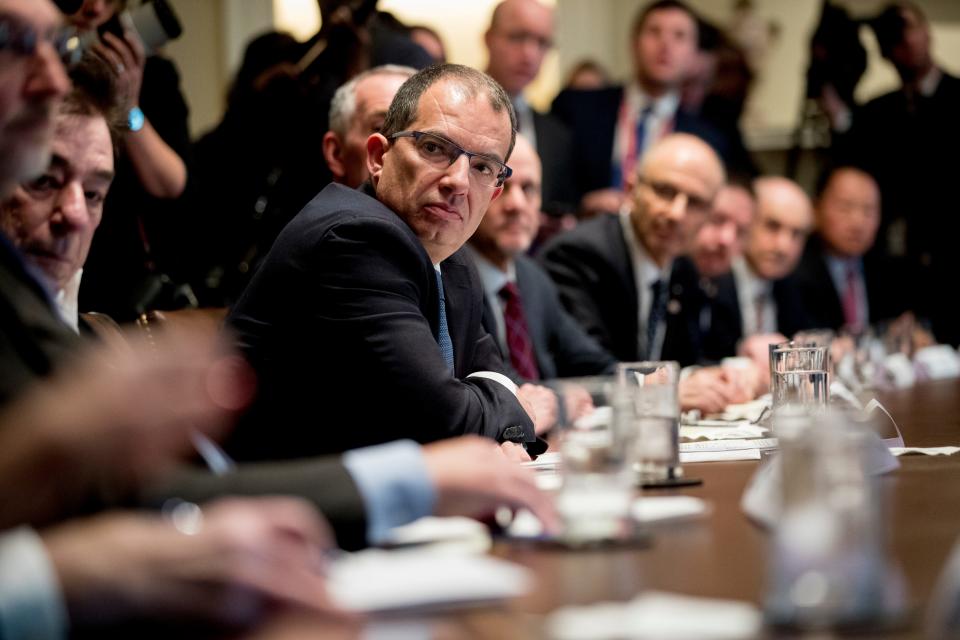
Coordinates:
x,y
441,153
23,40
668,193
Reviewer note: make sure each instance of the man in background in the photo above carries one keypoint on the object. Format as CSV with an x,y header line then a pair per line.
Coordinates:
x,y
843,284
520,35
768,300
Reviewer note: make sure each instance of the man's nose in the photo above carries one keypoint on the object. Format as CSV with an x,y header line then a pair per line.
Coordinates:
x,y
47,78
70,211
456,177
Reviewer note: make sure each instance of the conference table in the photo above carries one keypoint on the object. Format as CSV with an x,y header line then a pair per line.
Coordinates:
x,y
720,556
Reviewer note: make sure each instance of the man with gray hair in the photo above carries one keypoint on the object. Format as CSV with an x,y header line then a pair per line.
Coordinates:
x,y
357,111
387,321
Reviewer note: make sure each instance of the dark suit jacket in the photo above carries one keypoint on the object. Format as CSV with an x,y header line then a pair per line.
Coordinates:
x,y
562,348
340,325
591,117
555,148
888,294
592,269
34,343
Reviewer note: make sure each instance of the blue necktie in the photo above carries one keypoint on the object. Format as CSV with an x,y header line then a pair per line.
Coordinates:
x,y
658,309
443,333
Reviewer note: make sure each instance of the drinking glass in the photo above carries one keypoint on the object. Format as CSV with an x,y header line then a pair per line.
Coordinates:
x,y
653,413
597,484
799,375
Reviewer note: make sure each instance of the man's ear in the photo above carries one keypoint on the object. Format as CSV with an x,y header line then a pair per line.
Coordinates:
x,y
377,147
332,150
496,193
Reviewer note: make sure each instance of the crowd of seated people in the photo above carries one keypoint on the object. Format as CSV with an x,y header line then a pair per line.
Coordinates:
x,y
405,278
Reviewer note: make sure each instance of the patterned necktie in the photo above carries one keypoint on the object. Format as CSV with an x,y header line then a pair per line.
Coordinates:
x,y
443,333
851,311
658,309
518,334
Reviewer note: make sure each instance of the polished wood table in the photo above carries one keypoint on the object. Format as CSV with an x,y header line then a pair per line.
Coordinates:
x,y
724,555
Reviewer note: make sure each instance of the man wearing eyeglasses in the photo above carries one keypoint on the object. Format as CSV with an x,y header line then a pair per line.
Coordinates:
x,y
616,273
383,339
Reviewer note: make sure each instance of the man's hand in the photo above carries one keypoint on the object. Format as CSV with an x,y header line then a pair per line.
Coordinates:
x,y
473,478
708,389
757,348
114,416
541,404
246,557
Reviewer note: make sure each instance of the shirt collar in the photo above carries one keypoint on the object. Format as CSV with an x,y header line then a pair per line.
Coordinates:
x,y
492,277
929,83
638,99
646,270
745,275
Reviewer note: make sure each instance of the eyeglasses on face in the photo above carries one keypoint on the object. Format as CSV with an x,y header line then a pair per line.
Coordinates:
x,y
23,40
441,153
668,193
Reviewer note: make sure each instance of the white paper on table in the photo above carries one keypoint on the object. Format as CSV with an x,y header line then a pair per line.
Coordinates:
x,y
728,445
750,411
937,362
728,431
655,509
925,451
657,615
720,456
377,580
893,437
545,461
472,535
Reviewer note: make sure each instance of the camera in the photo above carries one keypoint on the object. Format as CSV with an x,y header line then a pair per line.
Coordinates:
x,y
154,22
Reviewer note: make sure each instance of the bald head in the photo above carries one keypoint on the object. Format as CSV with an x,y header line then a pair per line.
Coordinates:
x,y
520,35
780,228
678,179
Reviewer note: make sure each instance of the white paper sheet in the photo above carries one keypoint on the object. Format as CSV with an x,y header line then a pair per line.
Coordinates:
x,y
719,456
728,445
377,580
657,615
924,451
728,431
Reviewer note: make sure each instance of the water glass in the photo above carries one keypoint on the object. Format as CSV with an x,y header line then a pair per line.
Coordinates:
x,y
653,413
799,375
597,483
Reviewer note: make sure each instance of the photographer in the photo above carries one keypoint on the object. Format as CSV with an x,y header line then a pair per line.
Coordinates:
x,y
124,273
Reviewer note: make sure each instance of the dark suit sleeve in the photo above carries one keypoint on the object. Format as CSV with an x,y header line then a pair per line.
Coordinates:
x,y
572,272
324,482
370,278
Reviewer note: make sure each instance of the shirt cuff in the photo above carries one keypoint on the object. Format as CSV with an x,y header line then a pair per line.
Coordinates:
x,y
496,377
395,485
31,605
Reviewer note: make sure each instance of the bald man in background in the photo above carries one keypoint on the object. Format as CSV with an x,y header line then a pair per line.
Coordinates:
x,y
520,35
768,298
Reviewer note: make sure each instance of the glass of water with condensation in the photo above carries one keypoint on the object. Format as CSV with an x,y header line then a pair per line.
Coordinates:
x,y
654,416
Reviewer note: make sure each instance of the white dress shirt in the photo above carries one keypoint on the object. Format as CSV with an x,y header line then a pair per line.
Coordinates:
x,y
493,281
752,290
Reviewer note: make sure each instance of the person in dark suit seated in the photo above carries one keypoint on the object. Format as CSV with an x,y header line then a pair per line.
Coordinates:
x,y
386,318
535,333
843,284
613,127
616,273
768,300
520,35
718,243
